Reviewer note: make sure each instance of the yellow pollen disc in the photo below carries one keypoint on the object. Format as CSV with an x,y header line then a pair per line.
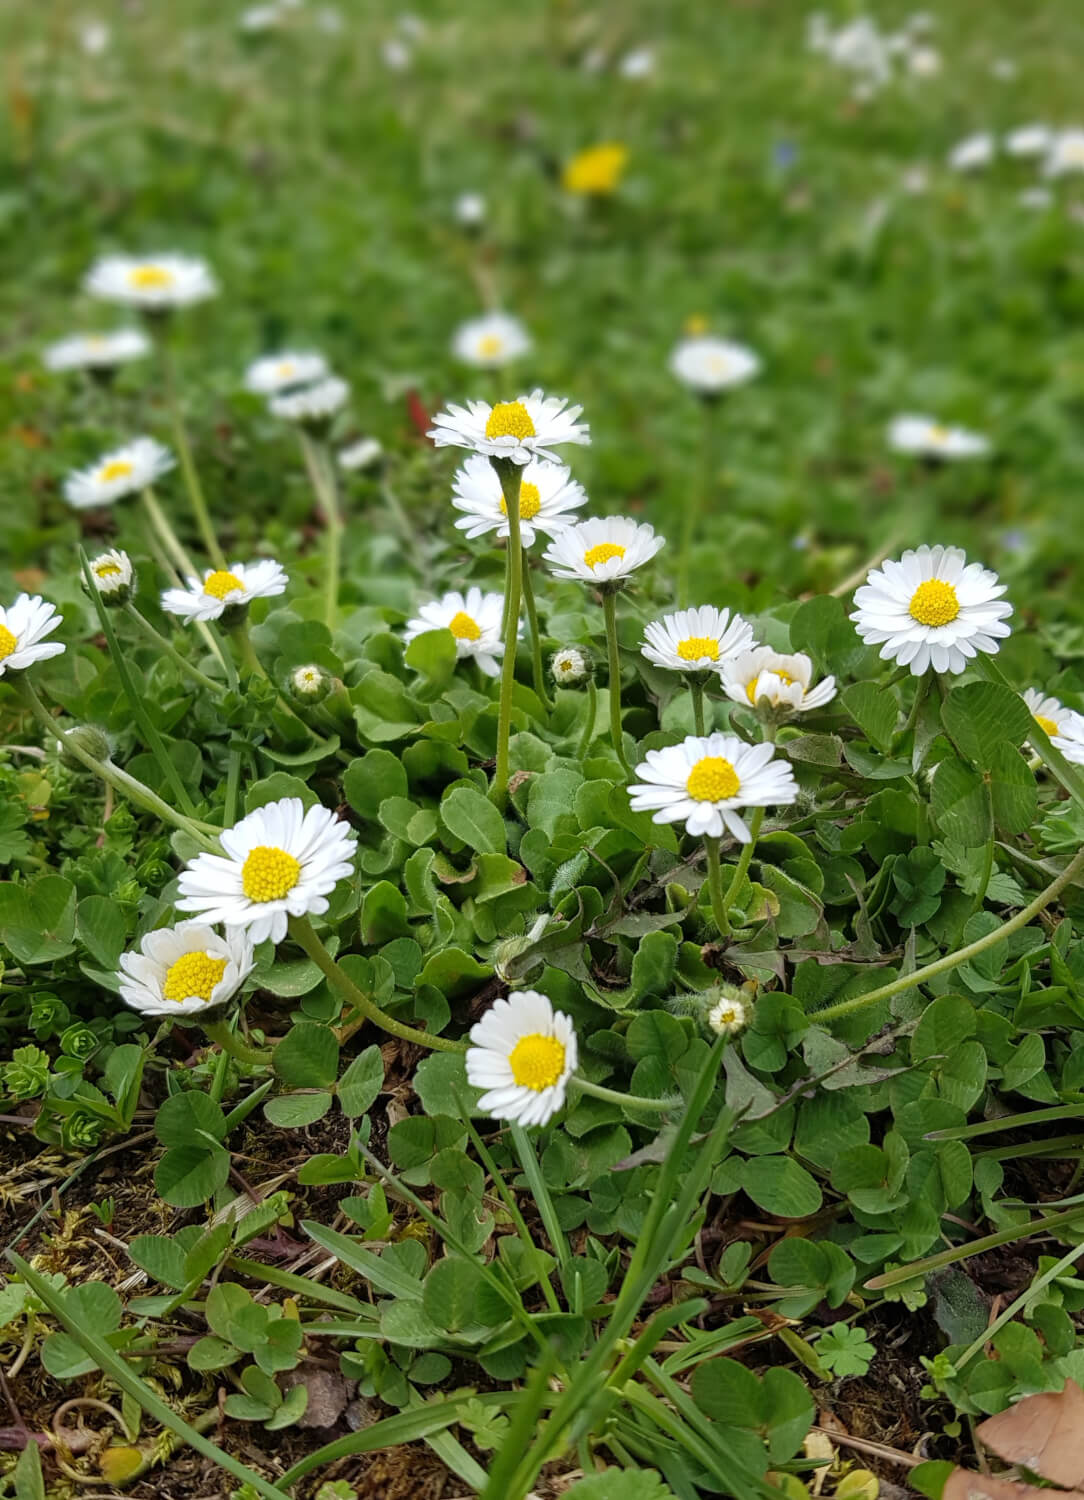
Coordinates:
x,y
784,677
697,647
268,873
194,974
490,345
510,419
285,367
696,325
530,502
712,779
220,583
150,276
8,643
464,628
939,434
1048,726
934,603
120,468
602,553
107,570
537,1061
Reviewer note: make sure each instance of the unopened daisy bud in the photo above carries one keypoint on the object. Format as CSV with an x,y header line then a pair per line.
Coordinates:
x,y
310,683
507,961
572,666
113,575
727,1014
89,739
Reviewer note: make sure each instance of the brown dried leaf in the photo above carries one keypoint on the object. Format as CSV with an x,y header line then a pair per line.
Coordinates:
x,y
963,1485
1043,1433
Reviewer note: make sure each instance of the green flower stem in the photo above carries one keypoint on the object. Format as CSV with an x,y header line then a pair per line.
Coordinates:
x,y
715,887
196,497
961,955
230,1042
160,525
609,610
302,932
744,858
630,1101
247,650
589,723
510,475
322,477
538,673
694,503
168,649
696,693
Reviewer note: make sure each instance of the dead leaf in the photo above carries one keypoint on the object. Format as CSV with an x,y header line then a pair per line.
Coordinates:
x,y
328,1394
963,1485
1043,1433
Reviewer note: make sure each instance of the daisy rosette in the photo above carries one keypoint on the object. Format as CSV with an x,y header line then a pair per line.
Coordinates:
x,y
113,576
709,365
696,640
222,589
596,171
23,628
97,351
154,283
548,496
474,620
706,780
311,405
604,550
183,970
279,862
123,472
932,608
490,341
928,438
782,681
523,1053
531,426
272,373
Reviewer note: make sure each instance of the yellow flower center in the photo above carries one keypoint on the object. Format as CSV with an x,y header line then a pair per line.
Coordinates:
x,y
698,646
696,325
1048,726
510,419
602,553
268,873
751,689
934,603
150,276
530,502
194,974
284,368
939,434
712,779
490,345
537,1061
8,643
464,628
117,468
108,570
596,170
220,583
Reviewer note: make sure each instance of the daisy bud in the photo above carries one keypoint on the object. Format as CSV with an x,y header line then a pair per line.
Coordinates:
x,y
572,666
309,684
726,1010
113,576
88,738
506,960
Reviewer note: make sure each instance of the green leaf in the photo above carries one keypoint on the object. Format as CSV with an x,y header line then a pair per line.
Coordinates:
x,y
293,1111
161,1257
621,1484
1013,788
102,929
362,1082
821,629
433,655
29,1482
960,803
656,1033
188,1175
278,784
983,715
188,1119
469,815
375,776
307,1057
212,1354
450,1293
780,1186
440,1081
384,914
874,710
37,921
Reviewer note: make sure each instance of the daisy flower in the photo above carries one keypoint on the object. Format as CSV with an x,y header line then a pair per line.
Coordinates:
x,y
122,472
972,153
360,455
97,351
639,63
603,549
710,365
182,970
1070,739
155,283
474,621
1051,715
113,575
523,1052
596,171
491,341
280,862
311,403
705,780
932,439
547,496
529,427
23,628
1029,140
932,608
310,683
727,1016
696,640
570,666
470,210
272,373
220,589
782,680
1066,153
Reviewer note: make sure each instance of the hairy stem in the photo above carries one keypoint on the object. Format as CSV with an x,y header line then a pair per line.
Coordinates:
x,y
609,609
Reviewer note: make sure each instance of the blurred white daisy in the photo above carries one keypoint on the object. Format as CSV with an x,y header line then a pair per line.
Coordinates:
x,y
97,351
152,282
782,680
396,55
1029,140
547,497
727,1016
696,640
709,365
924,62
1050,715
931,609
311,403
255,19
639,63
1035,197
123,472
272,373
474,621
973,152
523,1053
915,180
705,780
470,210
490,341
280,862
602,549
1070,739
570,666
182,970
1003,68
94,37
220,589
360,455
23,628
1066,153
113,575
529,427
932,439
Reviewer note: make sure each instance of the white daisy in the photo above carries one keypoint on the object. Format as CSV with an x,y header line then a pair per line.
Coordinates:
x,y
280,862
932,439
639,63
523,1053
311,403
360,455
124,471
272,373
1070,739
97,351
23,626
727,1016
570,666
470,210
529,427
258,18
474,621
94,37
113,575
1066,153
310,683
764,674
548,495
1035,197
711,365
603,549
396,55
220,589
704,780
1029,140
152,282
931,608
924,62
696,640
491,341
182,970
1050,714
973,152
